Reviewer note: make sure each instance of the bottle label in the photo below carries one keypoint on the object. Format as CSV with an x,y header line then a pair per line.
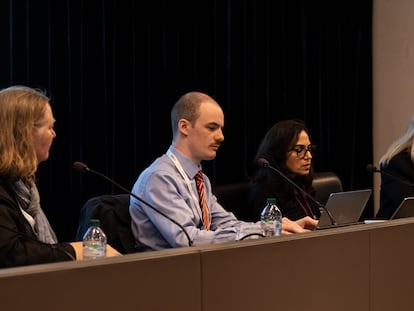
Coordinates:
x,y
278,230
272,228
269,227
93,250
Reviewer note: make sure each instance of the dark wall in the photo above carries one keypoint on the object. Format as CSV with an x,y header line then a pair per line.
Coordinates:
x,y
115,68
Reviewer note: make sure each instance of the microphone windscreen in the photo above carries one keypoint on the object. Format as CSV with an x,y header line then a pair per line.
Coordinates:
x,y
371,168
262,162
79,166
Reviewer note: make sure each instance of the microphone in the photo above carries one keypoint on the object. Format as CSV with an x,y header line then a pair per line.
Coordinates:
x,y
263,162
373,169
82,167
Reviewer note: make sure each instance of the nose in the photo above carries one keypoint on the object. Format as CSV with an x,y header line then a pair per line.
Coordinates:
x,y
220,135
308,154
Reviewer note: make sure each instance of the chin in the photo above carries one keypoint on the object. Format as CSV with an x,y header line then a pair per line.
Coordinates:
x,y
43,158
211,157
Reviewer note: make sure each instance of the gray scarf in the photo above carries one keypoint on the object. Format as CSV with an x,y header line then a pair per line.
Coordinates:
x,y
29,201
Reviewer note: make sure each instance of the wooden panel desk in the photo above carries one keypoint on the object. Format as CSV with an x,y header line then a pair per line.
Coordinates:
x,y
363,267
392,268
313,272
146,281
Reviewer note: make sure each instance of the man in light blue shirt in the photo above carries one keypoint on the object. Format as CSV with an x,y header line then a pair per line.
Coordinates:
x,y
168,184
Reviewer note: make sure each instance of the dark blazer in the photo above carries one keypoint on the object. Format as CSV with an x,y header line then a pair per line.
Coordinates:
x,y
19,245
395,189
115,220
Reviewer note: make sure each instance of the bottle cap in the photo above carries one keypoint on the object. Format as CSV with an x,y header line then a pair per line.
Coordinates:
x,y
271,201
94,222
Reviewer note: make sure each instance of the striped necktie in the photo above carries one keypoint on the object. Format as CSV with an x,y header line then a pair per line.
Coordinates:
x,y
203,204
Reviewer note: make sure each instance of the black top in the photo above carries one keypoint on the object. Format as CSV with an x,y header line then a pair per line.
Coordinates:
x,y
395,189
18,243
292,203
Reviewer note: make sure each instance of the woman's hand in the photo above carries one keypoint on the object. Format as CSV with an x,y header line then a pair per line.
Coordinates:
x,y
110,251
304,224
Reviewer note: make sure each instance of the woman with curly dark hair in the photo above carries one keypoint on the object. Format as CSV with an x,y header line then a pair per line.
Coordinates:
x,y
286,147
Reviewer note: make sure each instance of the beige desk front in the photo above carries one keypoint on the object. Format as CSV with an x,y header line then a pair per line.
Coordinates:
x,y
363,267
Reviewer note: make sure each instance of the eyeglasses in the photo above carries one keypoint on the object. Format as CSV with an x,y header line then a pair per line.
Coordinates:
x,y
301,150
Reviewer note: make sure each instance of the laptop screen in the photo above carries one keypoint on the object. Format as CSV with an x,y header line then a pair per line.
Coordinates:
x,y
405,209
345,207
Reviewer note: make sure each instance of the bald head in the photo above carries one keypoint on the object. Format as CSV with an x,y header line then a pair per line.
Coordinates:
x,y
188,107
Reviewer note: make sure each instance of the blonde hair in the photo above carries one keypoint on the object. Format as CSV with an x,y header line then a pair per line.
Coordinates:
x,y
404,143
21,110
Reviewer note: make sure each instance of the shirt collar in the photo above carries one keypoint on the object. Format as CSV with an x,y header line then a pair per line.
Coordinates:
x,y
187,164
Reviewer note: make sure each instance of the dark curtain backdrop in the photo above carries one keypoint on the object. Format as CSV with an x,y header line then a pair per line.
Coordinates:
x,y
115,68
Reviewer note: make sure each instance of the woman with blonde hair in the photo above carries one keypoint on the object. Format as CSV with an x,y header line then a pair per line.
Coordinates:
x,y
397,173
26,127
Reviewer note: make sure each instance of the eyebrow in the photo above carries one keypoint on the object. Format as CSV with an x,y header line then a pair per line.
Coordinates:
x,y
215,124
299,145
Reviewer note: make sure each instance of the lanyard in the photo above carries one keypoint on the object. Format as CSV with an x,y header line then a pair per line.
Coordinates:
x,y
186,179
308,211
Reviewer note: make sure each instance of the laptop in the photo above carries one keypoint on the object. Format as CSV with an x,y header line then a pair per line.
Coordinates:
x,y
346,208
405,209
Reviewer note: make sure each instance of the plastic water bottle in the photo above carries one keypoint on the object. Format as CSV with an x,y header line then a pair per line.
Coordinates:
x,y
271,219
94,241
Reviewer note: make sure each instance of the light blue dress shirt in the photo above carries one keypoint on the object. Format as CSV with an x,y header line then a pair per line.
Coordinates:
x,y
162,186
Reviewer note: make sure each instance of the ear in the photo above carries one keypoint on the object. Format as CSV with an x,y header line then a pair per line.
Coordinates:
x,y
183,126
